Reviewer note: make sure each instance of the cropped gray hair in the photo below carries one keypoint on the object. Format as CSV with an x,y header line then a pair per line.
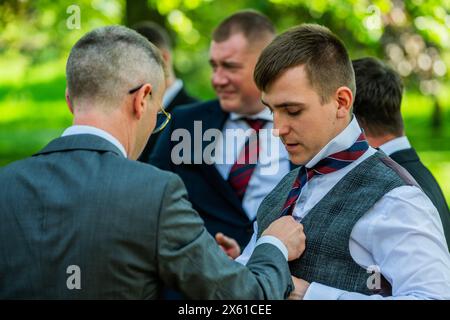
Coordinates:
x,y
109,61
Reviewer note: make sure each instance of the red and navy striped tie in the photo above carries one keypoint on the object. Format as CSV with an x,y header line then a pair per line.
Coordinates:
x,y
329,164
245,164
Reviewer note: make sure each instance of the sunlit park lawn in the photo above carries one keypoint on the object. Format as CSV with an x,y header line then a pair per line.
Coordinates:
x,y
33,111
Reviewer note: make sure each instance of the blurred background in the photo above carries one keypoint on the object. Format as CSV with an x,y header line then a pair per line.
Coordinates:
x,y
413,36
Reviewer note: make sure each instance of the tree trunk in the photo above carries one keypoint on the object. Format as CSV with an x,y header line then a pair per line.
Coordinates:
x,y
436,118
139,10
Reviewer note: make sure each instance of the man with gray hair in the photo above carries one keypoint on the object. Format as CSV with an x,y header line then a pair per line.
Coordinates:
x,y
175,95
80,220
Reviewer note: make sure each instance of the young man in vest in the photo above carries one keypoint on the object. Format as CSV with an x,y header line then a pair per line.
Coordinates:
x,y
371,231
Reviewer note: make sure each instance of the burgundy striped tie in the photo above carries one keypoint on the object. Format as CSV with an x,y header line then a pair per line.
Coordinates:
x,y
329,164
245,164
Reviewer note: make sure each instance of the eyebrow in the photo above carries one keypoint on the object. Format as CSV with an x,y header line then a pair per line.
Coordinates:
x,y
226,63
284,104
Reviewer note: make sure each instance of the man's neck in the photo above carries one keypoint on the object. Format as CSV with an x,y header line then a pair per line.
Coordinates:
x,y
112,125
343,140
378,141
170,79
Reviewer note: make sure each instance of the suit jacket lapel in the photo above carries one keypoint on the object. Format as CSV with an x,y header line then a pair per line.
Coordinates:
x,y
215,119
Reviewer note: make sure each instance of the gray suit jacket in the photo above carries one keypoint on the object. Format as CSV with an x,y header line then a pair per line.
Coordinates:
x,y
127,225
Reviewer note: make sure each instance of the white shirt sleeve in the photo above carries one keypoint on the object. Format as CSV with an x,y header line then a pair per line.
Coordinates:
x,y
405,238
248,251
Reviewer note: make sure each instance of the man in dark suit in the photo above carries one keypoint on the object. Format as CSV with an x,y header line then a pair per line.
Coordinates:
x,y
377,108
175,94
82,220
227,205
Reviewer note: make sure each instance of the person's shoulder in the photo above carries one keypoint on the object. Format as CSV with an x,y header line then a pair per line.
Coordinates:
x,y
148,172
183,98
196,108
141,177
15,166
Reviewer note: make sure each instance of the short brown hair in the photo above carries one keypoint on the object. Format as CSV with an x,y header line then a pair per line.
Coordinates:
x,y
378,98
154,33
325,57
252,24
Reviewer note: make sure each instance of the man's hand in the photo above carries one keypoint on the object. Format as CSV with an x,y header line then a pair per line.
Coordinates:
x,y
290,232
301,286
228,245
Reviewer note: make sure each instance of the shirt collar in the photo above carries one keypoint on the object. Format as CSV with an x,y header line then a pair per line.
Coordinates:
x,y
79,129
264,114
395,145
171,92
342,141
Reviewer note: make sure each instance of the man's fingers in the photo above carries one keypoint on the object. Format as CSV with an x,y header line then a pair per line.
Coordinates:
x,y
224,240
220,238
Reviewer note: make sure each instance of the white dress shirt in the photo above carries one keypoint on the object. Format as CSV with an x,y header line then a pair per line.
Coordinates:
x,y
171,92
272,166
77,129
395,145
401,234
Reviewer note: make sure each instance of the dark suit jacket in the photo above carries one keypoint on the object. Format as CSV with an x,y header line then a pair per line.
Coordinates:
x,y
209,193
409,159
181,99
125,224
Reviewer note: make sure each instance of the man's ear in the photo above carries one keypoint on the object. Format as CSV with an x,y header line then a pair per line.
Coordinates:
x,y
68,101
140,102
344,99
166,55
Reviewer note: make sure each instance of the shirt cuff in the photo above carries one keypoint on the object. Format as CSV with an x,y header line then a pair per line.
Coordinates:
x,y
274,241
317,291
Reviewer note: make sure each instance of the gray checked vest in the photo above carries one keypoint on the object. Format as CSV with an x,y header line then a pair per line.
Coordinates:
x,y
328,225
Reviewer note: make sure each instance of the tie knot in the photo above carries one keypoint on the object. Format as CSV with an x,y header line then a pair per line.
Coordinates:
x,y
256,124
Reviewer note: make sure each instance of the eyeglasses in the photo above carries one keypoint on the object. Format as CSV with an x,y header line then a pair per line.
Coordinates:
x,y
162,118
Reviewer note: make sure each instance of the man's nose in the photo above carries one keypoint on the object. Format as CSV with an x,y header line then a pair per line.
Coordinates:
x,y
219,77
280,129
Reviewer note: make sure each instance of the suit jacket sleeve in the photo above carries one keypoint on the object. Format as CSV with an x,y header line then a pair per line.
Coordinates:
x,y
190,261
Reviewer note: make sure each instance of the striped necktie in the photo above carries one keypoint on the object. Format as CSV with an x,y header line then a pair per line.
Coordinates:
x,y
245,164
329,164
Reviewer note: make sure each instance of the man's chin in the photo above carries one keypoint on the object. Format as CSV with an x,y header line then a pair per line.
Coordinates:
x,y
297,159
229,105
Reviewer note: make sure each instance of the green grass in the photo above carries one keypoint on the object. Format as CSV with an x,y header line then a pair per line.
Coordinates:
x,y
33,112
32,107
439,164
